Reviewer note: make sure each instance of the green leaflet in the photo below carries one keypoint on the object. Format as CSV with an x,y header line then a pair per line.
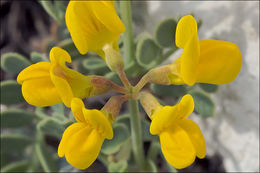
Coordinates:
x,y
11,92
14,63
169,90
15,118
95,65
147,51
38,57
164,33
121,134
204,105
210,88
14,143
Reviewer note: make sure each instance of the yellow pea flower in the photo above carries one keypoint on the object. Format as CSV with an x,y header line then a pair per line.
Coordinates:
x,y
93,24
181,139
49,83
206,61
81,142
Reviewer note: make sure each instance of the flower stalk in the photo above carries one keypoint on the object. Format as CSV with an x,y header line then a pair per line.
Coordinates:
x,y
136,132
124,79
101,84
135,120
126,14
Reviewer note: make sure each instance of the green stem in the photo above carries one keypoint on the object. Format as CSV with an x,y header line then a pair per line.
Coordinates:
x,y
126,14
136,132
137,142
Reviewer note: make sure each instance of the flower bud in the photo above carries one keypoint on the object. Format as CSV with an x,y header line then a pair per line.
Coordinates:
x,y
149,103
100,85
165,75
112,107
113,58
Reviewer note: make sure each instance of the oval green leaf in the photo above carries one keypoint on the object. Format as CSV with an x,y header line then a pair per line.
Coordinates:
x,y
15,118
210,88
121,134
165,33
169,90
14,63
204,105
11,93
14,143
147,51
38,57
95,65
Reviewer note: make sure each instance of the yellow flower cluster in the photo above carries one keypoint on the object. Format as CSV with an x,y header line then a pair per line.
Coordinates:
x,y
95,26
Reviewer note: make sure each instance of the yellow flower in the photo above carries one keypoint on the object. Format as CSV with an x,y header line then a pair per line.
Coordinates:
x,y
93,24
206,61
49,83
181,139
81,142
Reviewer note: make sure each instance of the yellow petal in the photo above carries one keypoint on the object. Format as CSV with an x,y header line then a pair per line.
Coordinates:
x,y
77,107
92,24
63,89
99,121
185,107
68,82
190,60
162,119
195,135
177,147
186,29
38,70
220,62
167,115
106,14
40,92
66,137
73,23
83,147
187,38
37,87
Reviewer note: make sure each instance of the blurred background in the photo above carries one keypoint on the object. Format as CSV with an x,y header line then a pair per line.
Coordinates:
x,y
232,134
